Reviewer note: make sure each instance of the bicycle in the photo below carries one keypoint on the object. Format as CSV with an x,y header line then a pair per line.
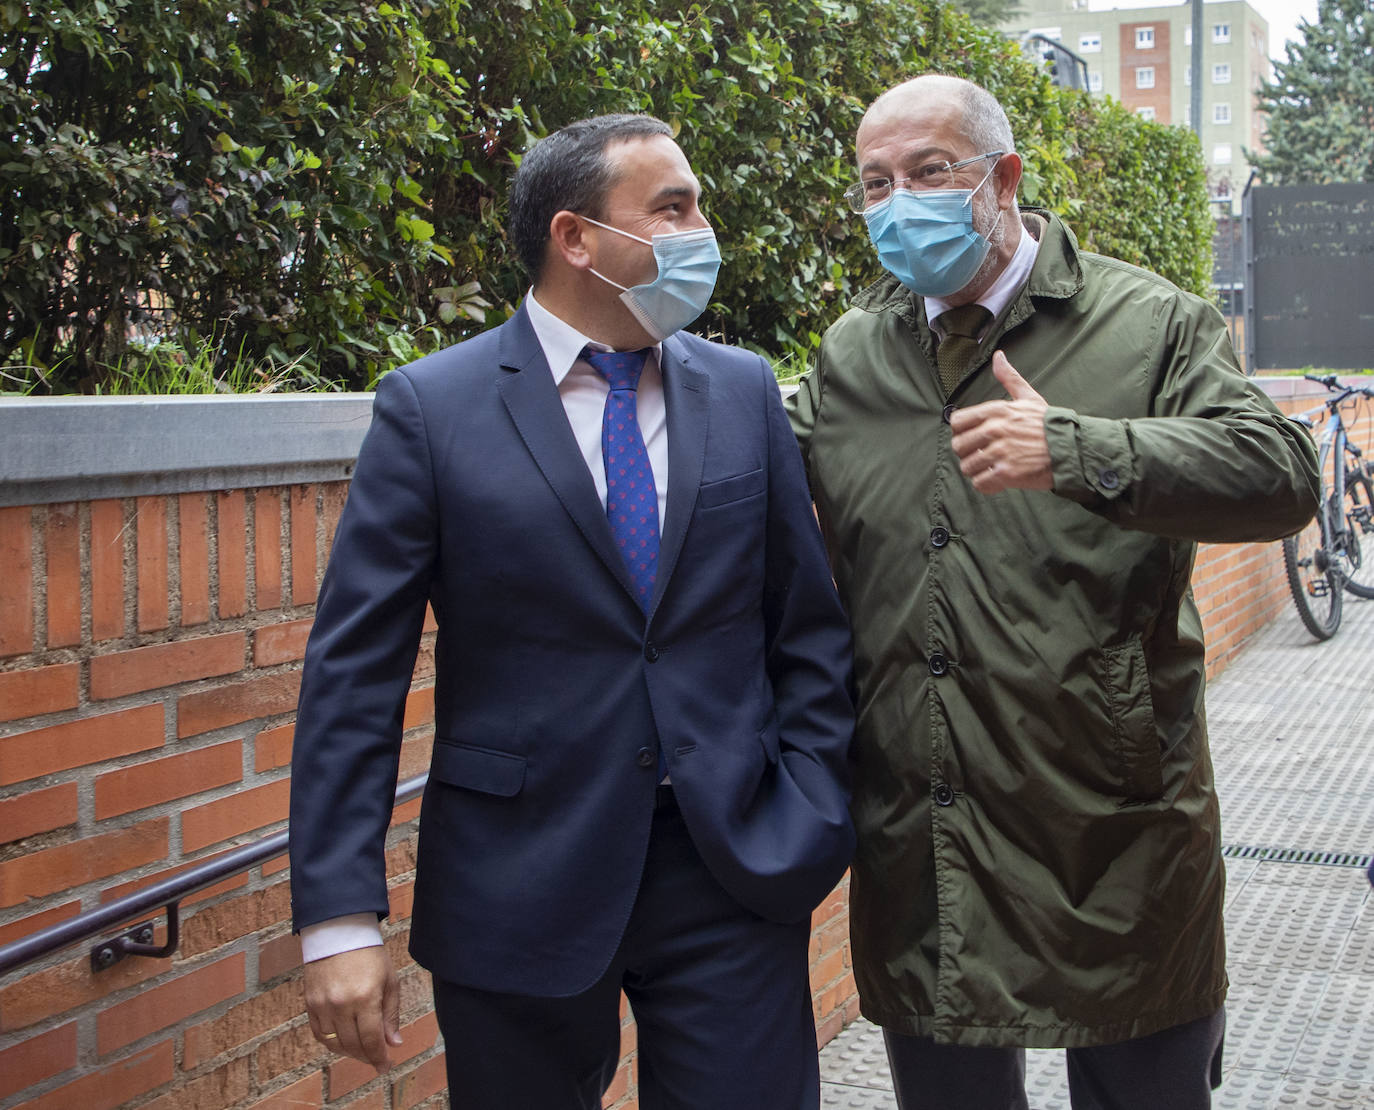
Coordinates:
x,y
1334,553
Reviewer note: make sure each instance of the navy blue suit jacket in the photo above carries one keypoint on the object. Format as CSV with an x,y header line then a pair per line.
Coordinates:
x,y
552,690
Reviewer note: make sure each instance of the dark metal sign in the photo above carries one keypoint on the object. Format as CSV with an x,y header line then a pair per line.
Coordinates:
x,y
1309,253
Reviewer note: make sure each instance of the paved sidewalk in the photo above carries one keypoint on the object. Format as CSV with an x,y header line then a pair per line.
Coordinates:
x,y
1292,731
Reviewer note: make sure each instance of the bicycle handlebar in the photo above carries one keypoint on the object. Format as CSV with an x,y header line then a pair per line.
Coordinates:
x,y
1333,383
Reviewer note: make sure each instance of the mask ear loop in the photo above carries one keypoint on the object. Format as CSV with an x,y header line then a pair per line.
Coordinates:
x,y
972,192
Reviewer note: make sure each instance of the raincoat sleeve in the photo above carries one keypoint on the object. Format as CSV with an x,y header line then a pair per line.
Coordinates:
x,y
1214,462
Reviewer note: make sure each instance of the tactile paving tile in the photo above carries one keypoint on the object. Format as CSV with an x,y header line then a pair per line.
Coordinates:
x,y
1358,957
836,1096
1267,1011
1245,1089
1302,924
1322,1094
857,1058
1047,1083
1336,1044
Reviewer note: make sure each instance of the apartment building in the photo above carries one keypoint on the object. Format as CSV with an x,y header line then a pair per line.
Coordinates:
x,y
1143,57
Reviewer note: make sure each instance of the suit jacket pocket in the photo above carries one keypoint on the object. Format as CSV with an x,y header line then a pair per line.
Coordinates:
x,y
480,769
714,494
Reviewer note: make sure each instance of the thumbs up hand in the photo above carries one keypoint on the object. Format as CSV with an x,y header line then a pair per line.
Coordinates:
x,y
1001,445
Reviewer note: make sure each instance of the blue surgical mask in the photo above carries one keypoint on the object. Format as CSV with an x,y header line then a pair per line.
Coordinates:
x,y
926,240
688,262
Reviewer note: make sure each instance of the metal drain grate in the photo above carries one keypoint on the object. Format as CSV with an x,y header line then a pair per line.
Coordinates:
x,y
1295,855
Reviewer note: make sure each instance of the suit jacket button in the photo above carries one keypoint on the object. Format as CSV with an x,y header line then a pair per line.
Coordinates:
x,y
938,664
651,653
944,795
645,757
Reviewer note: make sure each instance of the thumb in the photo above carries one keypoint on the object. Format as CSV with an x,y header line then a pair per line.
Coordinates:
x,y
1016,386
391,1009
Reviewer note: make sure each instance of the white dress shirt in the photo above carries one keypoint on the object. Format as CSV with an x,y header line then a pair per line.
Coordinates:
x,y
583,392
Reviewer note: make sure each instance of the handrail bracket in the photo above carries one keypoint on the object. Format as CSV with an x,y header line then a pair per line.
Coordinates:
x,y
138,941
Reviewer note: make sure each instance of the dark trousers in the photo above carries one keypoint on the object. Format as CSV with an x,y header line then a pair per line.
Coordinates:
x,y
721,999
1174,1069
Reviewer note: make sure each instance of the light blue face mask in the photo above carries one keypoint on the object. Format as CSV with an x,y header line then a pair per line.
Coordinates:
x,y
926,240
688,262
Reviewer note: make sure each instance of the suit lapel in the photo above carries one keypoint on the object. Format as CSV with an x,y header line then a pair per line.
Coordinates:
x,y
686,393
535,407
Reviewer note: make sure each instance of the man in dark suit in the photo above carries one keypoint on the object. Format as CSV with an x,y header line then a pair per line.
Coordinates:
x,y
639,771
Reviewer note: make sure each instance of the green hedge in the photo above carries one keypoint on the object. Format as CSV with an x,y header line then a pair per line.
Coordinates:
x,y
321,185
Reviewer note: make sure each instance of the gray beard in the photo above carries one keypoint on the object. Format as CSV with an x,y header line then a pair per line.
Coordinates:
x,y
988,222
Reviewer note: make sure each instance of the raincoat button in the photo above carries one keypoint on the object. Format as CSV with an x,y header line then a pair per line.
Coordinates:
x,y
645,757
651,653
945,413
939,536
1109,479
938,664
944,795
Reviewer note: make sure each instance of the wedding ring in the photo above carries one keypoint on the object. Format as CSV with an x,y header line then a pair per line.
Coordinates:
x,y
330,1036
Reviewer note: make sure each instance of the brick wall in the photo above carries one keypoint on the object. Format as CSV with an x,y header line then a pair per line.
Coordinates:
x,y
149,661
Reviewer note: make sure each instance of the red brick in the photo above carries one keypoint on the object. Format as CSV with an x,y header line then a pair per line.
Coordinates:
x,y
304,1092
55,990
247,1021
281,643
161,780
431,621
267,547
233,882
333,496
28,926
416,752
63,544
374,1099
148,668
303,521
39,690
347,1074
152,563
278,956
419,1083
265,696
272,866
232,542
236,918
107,570
42,751
291,1049
194,540
37,1058
163,1006
240,813
37,811
16,581
225,1086
50,870
419,708
272,748
114,1085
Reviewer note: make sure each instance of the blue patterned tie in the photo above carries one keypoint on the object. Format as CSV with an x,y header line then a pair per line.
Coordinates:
x,y
631,499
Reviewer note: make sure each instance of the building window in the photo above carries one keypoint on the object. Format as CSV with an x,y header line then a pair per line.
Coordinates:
x,y
1187,115
1144,77
1221,113
1221,32
1090,44
1094,82
1147,112
1221,73
1187,75
1188,35
1144,38
1221,154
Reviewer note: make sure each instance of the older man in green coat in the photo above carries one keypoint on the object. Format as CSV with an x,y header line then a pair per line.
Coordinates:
x,y
1012,496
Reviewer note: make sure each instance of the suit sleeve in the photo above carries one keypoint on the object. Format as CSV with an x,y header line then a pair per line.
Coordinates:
x,y
1215,461
358,667
809,656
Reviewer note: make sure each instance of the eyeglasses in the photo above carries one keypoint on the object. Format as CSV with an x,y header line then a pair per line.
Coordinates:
x,y
933,175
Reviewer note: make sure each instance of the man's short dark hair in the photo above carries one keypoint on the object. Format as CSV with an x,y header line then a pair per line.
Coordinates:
x,y
568,169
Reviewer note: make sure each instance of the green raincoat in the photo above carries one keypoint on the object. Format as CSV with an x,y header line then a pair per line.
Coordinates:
x,y
1039,841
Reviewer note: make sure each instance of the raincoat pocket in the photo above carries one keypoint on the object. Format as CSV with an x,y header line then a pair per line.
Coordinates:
x,y
1138,749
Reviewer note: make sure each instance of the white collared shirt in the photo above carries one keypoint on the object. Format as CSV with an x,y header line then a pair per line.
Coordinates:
x,y
584,393
1000,293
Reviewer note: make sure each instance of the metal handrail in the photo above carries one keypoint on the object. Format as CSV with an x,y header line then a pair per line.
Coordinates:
x,y
166,893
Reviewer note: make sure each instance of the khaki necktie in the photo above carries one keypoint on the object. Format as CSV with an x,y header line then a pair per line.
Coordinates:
x,y
959,347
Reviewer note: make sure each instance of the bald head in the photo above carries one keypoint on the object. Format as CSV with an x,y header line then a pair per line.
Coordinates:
x,y
970,110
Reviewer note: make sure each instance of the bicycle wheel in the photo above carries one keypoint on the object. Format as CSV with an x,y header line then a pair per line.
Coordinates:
x,y
1316,588
1356,563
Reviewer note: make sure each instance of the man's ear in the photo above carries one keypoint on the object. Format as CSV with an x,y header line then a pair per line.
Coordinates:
x,y
1007,175
567,240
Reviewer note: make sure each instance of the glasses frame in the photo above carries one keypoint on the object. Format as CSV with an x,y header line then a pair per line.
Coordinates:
x,y
855,194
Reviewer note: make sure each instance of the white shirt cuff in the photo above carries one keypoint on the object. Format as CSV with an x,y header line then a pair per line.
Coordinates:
x,y
339,934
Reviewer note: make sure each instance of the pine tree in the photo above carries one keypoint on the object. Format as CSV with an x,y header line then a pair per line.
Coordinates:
x,y
1321,104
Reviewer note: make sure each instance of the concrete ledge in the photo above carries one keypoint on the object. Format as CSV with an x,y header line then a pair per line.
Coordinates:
x,y
55,449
